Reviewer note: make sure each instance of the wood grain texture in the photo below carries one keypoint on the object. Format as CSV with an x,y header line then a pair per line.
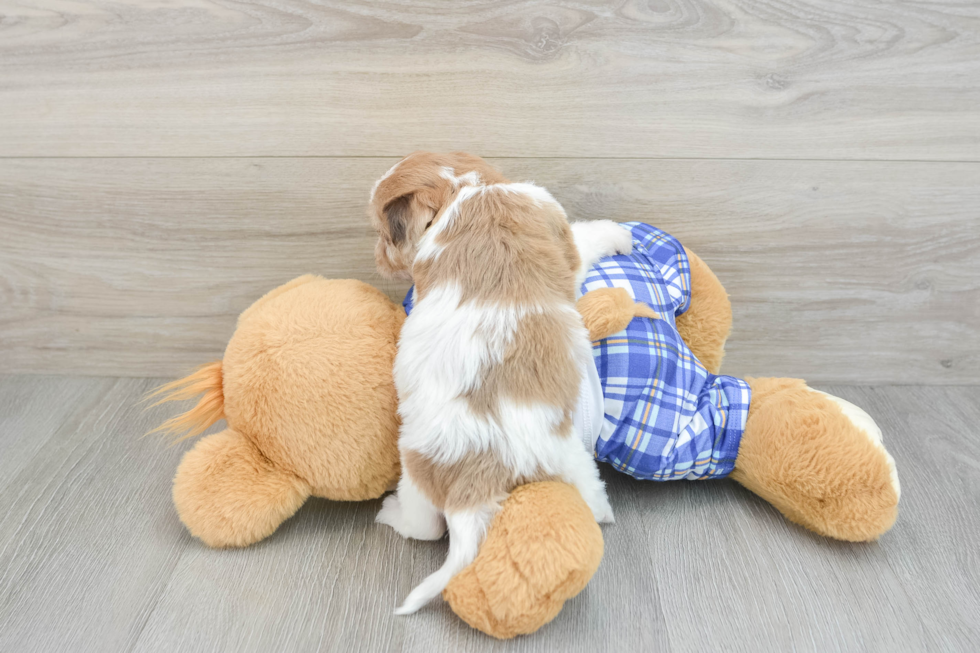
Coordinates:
x,y
839,271
663,78
92,557
88,536
34,407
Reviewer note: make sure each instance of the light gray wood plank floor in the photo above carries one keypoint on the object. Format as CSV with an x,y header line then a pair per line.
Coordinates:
x,y
93,557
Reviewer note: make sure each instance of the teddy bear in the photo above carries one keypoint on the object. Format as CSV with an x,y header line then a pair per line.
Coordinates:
x,y
306,389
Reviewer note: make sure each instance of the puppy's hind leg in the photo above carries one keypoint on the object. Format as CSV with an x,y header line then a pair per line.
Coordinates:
x,y
411,513
580,470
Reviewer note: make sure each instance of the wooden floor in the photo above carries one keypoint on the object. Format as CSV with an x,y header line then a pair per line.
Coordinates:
x,y
93,557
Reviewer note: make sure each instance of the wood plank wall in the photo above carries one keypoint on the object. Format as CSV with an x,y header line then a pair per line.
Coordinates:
x,y
164,164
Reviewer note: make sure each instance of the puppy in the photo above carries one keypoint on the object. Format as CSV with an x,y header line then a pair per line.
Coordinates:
x,y
491,358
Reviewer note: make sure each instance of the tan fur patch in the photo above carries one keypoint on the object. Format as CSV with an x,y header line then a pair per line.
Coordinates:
x,y
478,479
503,247
411,196
538,368
706,324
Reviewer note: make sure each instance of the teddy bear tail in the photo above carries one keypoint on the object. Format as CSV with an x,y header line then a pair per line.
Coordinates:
x,y
206,381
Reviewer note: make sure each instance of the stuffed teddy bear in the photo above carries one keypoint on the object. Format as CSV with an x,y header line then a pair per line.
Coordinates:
x,y
306,389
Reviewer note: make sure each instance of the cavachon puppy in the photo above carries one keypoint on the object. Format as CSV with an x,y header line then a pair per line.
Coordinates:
x,y
491,358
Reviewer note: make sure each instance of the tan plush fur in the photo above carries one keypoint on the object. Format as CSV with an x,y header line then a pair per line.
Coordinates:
x,y
803,455
708,320
606,311
308,380
306,388
542,549
229,494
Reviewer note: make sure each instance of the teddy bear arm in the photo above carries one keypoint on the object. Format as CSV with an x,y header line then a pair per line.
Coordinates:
x,y
542,549
606,311
704,326
228,494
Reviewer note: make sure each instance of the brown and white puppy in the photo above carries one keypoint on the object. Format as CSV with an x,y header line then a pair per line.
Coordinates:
x,y
492,356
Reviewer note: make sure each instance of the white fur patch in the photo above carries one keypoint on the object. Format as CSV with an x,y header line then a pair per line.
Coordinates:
x,y
374,188
467,529
596,239
864,423
411,513
428,248
444,351
472,177
539,194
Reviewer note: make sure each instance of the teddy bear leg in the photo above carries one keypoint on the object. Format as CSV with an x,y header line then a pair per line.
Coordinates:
x,y
819,460
706,324
228,494
542,549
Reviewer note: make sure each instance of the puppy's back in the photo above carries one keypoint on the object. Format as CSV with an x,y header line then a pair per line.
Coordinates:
x,y
494,329
489,363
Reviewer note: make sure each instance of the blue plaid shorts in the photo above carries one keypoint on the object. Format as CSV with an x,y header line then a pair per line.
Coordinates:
x,y
666,416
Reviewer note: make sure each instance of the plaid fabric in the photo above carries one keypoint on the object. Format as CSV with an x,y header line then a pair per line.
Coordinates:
x,y
666,417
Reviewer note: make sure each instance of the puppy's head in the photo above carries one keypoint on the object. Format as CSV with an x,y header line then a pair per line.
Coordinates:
x,y
411,197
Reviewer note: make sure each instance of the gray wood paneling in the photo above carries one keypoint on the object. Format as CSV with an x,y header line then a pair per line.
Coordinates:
x,y
839,271
670,78
92,557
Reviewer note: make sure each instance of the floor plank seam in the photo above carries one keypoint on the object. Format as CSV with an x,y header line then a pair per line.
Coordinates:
x,y
488,156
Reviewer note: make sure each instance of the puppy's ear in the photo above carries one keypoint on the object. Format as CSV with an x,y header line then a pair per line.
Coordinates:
x,y
397,214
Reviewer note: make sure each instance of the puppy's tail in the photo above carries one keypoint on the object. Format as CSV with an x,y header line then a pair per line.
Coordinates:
x,y
205,380
466,532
